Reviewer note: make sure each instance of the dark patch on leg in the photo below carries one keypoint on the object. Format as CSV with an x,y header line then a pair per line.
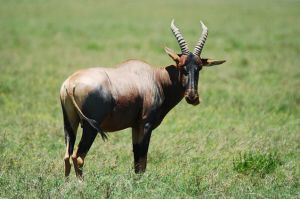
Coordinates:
x,y
140,151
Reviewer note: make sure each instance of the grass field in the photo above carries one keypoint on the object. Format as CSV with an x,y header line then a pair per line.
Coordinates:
x,y
243,141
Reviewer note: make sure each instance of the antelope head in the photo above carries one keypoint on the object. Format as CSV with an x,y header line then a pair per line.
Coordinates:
x,y
190,63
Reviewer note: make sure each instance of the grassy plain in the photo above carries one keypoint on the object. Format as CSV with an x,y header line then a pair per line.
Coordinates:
x,y
243,141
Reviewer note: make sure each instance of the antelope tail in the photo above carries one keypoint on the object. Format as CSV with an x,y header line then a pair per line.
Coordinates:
x,y
92,122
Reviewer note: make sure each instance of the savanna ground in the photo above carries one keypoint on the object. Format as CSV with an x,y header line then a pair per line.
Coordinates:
x,y
243,141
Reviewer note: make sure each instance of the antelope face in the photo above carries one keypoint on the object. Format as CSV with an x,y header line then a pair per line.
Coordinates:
x,y
190,64
190,76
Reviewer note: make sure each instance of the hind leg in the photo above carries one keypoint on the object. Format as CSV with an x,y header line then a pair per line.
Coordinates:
x,y
96,105
70,141
71,122
88,136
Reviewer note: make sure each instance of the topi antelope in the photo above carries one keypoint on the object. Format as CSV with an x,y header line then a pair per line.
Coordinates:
x,y
132,95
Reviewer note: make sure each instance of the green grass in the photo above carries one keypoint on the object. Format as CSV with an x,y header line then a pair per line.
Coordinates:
x,y
250,104
253,163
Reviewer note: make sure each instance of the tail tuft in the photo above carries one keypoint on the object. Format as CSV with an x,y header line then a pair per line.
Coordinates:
x,y
96,126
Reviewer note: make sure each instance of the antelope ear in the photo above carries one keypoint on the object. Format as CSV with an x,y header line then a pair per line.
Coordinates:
x,y
172,54
211,62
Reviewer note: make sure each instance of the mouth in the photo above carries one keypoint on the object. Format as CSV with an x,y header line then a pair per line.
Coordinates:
x,y
194,101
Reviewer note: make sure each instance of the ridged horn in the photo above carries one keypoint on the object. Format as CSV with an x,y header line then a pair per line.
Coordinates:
x,y
182,43
201,42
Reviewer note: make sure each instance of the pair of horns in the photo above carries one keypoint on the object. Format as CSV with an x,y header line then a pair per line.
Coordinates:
x,y
182,43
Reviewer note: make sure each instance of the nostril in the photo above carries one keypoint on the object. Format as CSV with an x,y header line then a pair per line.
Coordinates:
x,y
194,96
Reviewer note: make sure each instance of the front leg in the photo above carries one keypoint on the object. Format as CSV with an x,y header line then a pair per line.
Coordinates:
x,y
140,141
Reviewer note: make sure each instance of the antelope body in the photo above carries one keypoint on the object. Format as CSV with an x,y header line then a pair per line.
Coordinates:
x,y
133,94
